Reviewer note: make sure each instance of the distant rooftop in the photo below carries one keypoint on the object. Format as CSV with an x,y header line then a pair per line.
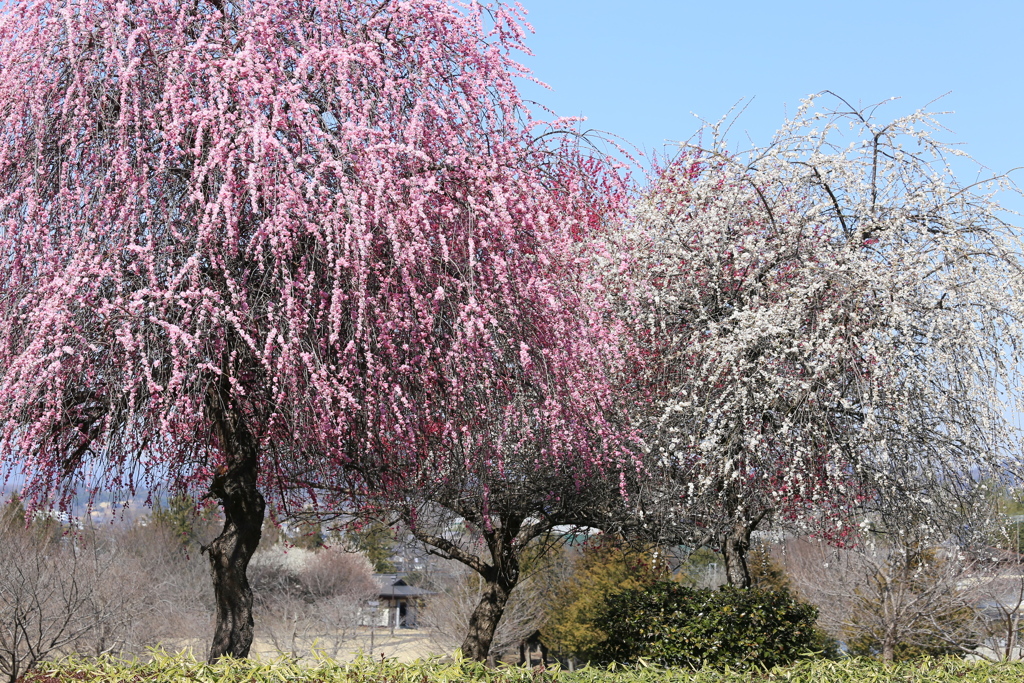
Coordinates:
x,y
394,586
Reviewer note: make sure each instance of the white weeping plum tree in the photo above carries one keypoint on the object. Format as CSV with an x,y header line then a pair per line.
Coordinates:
x,y
827,327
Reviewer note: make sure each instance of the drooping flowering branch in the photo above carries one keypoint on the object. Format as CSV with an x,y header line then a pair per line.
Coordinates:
x,y
830,325
249,241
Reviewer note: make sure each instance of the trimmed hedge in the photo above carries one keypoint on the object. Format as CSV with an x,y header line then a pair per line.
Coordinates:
x,y
675,625
178,669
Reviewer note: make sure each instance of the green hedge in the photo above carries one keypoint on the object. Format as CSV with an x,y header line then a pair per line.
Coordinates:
x,y
675,625
177,669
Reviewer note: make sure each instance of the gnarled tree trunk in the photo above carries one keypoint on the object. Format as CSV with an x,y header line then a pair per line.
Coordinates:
x,y
485,618
735,544
235,488
229,554
500,575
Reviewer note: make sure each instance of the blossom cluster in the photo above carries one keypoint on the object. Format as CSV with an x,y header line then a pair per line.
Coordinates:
x,y
339,210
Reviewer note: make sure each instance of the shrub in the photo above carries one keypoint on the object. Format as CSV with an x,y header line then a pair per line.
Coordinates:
x,y
675,625
606,566
167,669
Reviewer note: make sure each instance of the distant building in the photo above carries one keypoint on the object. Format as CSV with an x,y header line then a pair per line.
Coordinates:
x,y
399,602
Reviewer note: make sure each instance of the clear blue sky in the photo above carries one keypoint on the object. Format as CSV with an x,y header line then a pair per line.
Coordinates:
x,y
638,69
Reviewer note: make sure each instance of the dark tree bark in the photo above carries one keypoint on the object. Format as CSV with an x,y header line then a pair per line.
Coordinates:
x,y
518,511
485,618
735,544
500,575
229,554
235,488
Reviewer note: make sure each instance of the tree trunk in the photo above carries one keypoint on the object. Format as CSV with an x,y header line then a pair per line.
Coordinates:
x,y
500,577
1011,635
735,545
486,616
888,648
235,488
230,553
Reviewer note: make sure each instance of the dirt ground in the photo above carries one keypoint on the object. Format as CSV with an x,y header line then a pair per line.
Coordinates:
x,y
405,645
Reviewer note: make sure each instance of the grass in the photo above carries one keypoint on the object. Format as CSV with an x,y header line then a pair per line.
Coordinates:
x,y
164,668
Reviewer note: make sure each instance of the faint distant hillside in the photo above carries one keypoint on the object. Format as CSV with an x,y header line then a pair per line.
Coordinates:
x,y
106,508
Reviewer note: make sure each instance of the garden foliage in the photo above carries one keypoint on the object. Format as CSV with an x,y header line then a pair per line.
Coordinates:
x,y
675,625
166,669
604,569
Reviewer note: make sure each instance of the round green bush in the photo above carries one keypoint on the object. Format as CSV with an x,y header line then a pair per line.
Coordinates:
x,y
675,625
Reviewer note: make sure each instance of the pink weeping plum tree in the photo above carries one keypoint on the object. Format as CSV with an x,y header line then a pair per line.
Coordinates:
x,y
548,446
246,240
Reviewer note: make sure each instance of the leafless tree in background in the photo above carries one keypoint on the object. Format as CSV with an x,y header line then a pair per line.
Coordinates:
x,y
105,590
999,590
43,599
881,597
307,601
179,603
118,603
